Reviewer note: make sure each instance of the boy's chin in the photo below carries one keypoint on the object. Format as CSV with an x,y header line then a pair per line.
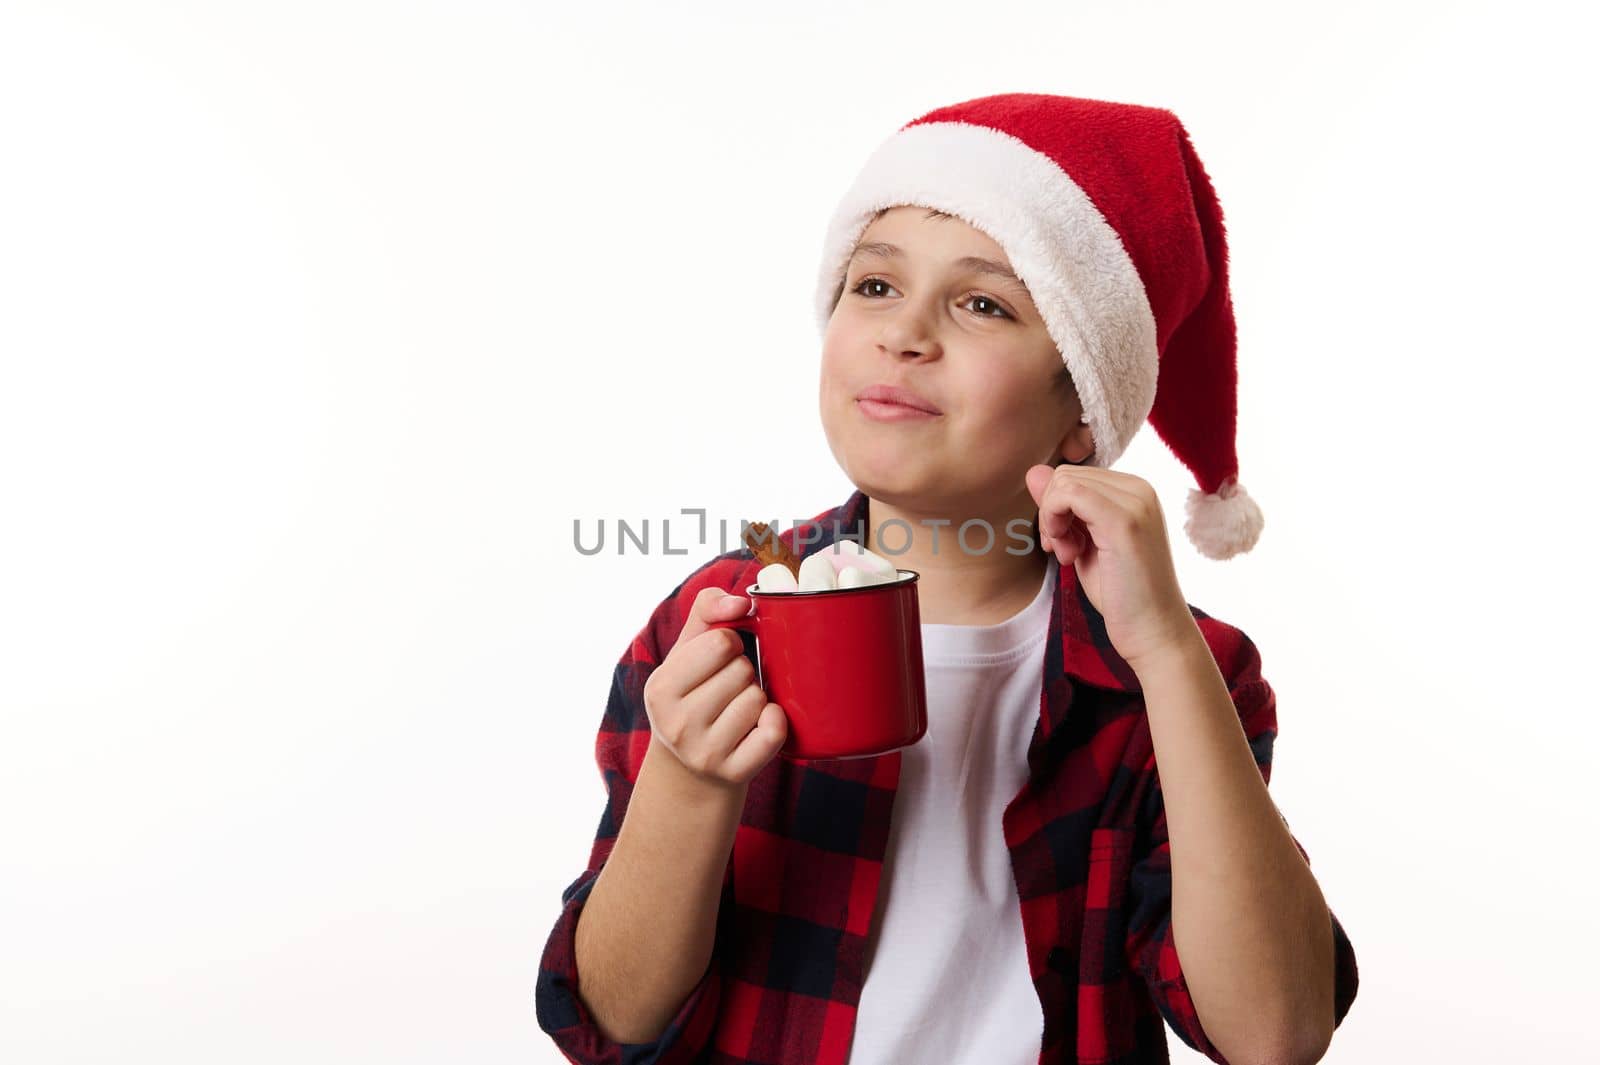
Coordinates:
x,y
895,480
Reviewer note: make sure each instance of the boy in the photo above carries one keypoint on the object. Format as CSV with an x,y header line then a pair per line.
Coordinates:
x,y
1003,288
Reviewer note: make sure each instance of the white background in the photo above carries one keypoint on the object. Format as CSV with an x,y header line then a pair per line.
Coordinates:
x,y
322,322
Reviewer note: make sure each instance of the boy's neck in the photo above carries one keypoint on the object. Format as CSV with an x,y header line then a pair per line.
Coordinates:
x,y
956,586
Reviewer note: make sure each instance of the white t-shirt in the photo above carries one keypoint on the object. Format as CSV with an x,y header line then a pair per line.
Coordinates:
x,y
946,965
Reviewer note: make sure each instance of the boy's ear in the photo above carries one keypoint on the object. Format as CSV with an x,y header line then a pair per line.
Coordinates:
x,y
1076,447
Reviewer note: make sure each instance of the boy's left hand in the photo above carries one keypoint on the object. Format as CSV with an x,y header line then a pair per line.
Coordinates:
x,y
1109,525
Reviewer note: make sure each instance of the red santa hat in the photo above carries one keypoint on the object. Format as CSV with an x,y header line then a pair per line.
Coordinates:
x,y
1108,217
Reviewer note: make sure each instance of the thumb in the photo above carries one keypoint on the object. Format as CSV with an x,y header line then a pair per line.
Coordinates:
x,y
1037,480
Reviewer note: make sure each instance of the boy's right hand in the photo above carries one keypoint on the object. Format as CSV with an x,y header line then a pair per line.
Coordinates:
x,y
703,700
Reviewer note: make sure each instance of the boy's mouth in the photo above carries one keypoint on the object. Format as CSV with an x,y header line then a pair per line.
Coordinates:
x,y
891,399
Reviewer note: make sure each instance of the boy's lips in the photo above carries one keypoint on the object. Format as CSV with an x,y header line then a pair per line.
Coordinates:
x,y
895,401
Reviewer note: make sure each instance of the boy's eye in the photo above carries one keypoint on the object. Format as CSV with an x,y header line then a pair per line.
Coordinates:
x,y
992,303
976,298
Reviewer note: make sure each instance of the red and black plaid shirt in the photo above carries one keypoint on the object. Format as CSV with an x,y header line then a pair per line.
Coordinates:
x,y
1087,836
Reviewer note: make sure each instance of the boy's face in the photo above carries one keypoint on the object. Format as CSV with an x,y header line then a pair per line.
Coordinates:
x,y
969,342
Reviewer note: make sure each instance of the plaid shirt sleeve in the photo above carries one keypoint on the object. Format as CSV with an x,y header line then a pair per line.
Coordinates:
x,y
1150,944
619,751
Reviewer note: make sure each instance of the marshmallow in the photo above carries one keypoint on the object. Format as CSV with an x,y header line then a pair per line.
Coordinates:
x,y
776,578
817,574
855,577
850,566
840,551
847,554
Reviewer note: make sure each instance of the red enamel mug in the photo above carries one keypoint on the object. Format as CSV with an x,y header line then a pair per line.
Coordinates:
x,y
845,666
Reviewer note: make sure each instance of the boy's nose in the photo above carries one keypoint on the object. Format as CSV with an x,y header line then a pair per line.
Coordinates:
x,y
908,337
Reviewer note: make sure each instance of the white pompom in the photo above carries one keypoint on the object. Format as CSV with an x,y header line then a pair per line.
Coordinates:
x,y
1223,523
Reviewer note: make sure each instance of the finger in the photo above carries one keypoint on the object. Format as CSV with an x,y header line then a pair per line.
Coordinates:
x,y
760,745
1070,502
1044,483
1055,517
1038,479
1057,512
711,604
1140,507
691,664
702,704
735,721
1130,505
1132,489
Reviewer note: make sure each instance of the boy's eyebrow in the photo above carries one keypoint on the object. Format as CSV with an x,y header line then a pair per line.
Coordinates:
x,y
975,263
